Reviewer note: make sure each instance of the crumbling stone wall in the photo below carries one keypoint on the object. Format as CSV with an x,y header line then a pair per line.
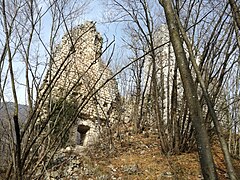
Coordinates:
x,y
165,69
76,72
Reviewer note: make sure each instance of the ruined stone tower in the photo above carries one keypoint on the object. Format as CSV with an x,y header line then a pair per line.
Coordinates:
x,y
78,74
165,71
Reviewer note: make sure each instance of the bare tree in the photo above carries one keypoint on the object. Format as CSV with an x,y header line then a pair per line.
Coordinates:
x,y
209,102
22,27
235,12
142,20
205,156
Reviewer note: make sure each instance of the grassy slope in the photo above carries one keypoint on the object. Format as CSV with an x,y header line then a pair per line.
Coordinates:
x,y
143,153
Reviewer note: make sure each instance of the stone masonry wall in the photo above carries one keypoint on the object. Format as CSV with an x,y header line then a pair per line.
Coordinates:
x,y
83,72
165,62
165,65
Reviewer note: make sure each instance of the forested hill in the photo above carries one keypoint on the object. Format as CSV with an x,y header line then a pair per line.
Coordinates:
x,y
10,106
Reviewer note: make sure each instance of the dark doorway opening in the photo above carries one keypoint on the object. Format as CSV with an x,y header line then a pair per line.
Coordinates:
x,y
81,133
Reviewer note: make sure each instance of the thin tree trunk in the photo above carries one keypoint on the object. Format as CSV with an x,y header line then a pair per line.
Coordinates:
x,y
190,90
17,155
235,12
174,113
217,126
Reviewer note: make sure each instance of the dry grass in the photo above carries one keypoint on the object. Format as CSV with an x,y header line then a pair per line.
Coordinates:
x,y
143,153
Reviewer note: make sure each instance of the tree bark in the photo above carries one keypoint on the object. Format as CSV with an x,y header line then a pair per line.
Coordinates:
x,y
190,90
235,12
176,129
210,104
18,148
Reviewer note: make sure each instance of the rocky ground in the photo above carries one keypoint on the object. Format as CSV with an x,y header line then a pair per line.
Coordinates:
x,y
131,157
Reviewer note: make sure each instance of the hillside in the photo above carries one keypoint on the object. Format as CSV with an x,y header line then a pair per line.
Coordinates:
x,y
133,157
10,106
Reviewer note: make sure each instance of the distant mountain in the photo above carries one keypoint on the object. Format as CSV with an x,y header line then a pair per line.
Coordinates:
x,y
4,129
10,106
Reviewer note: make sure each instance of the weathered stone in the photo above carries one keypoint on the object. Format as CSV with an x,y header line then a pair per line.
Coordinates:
x,y
131,169
103,177
83,75
166,175
68,149
54,174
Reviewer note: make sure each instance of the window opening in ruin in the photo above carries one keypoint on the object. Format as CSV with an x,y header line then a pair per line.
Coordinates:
x,y
81,133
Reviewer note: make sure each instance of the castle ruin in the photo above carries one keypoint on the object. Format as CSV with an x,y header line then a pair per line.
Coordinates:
x,y
78,75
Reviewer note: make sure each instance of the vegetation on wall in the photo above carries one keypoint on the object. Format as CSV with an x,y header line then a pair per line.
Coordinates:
x,y
64,112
